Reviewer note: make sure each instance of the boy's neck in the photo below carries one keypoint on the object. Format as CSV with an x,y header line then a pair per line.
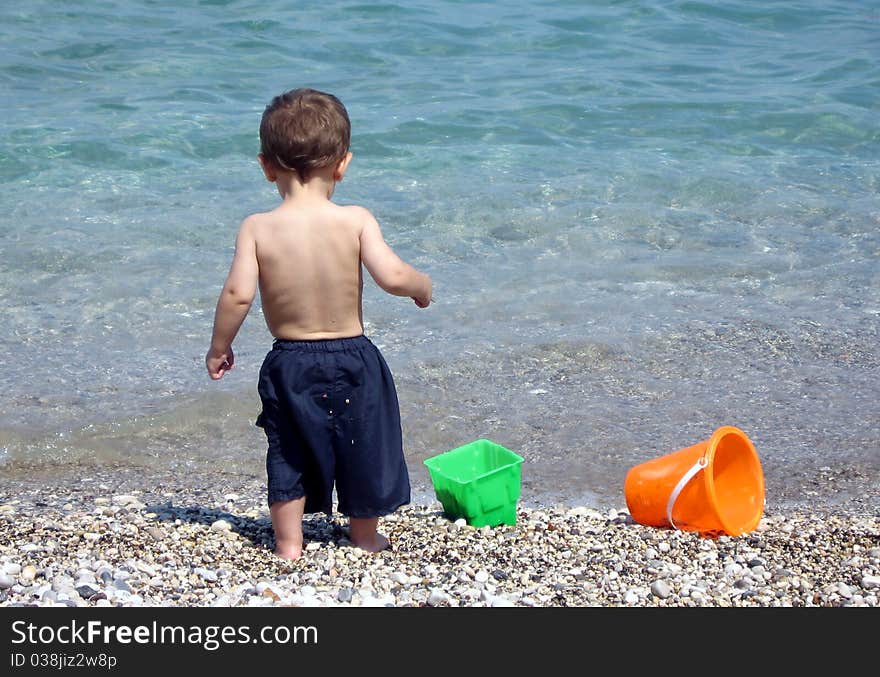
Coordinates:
x,y
319,186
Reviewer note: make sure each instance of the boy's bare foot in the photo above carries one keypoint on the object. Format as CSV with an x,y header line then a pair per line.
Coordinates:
x,y
363,534
288,553
375,544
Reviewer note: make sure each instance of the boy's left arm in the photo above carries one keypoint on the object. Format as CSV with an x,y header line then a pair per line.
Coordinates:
x,y
234,303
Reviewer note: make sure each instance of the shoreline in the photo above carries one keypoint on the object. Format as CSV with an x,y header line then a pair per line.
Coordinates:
x,y
100,542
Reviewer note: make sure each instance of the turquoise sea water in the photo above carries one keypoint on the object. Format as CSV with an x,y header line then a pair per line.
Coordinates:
x,y
644,220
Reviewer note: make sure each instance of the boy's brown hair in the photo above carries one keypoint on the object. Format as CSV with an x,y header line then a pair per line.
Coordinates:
x,y
303,130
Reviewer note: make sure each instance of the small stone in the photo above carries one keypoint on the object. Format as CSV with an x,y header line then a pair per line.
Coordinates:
x,y
345,595
85,574
28,573
221,525
6,581
734,569
481,576
661,589
499,601
12,569
461,522
155,532
870,581
437,597
87,591
206,574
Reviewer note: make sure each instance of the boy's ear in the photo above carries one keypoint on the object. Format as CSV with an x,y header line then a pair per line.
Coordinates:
x,y
341,167
268,168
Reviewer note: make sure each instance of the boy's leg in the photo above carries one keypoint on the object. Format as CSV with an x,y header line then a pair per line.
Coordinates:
x,y
364,535
287,523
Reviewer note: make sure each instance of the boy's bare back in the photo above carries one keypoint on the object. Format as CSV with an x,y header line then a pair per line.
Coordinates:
x,y
309,263
306,257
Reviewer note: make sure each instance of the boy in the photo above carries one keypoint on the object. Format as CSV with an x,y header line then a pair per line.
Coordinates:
x,y
330,408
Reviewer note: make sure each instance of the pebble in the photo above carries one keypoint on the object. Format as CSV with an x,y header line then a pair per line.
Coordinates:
x,y
86,591
869,581
155,532
661,589
437,597
206,574
501,602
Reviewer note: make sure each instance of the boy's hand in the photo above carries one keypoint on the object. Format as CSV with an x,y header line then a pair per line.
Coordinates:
x,y
424,299
219,363
422,303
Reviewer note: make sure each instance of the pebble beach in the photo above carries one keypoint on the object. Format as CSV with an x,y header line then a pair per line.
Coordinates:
x,y
100,540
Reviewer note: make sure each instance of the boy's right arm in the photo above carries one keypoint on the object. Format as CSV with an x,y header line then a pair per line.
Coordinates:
x,y
389,271
235,301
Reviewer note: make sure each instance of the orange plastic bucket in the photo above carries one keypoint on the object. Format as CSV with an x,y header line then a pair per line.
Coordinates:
x,y
714,487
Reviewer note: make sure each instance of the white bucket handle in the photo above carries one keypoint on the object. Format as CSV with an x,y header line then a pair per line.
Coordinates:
x,y
682,483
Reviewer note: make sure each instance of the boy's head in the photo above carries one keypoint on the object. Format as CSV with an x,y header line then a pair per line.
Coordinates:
x,y
303,130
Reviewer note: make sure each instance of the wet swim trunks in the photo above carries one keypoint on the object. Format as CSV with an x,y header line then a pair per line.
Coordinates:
x,y
331,415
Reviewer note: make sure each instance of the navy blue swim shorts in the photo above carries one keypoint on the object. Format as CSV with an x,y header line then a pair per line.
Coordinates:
x,y
331,415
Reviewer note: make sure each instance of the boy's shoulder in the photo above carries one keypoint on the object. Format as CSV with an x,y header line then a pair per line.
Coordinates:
x,y
355,211
354,215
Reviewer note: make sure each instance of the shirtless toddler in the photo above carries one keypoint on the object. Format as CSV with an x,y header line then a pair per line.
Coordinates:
x,y
329,405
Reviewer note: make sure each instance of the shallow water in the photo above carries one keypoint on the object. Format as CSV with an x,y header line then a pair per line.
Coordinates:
x,y
644,220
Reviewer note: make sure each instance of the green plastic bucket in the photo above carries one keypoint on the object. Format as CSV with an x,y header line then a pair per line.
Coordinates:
x,y
479,482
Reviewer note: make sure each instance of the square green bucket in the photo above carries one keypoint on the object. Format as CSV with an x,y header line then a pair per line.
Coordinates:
x,y
479,481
